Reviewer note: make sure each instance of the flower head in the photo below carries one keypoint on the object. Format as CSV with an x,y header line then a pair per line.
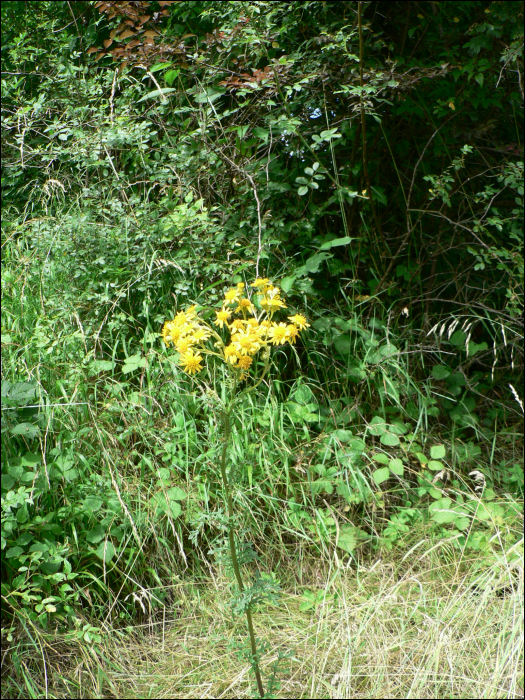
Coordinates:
x,y
293,332
191,362
244,362
166,329
245,343
201,334
230,354
299,321
244,304
278,333
232,295
222,317
260,282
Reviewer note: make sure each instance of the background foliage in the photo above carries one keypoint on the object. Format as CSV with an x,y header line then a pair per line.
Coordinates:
x,y
369,156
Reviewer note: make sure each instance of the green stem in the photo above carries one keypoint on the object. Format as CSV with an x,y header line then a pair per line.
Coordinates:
x,y
233,551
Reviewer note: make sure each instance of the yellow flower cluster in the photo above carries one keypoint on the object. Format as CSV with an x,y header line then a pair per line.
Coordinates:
x,y
248,334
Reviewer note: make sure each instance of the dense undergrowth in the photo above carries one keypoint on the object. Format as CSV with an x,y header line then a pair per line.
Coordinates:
x,y
377,471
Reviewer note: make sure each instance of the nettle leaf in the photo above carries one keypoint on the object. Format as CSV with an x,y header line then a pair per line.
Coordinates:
x,y
441,511
28,430
377,426
380,475
350,537
343,435
337,242
440,372
100,366
389,440
396,467
437,451
105,551
134,362
458,338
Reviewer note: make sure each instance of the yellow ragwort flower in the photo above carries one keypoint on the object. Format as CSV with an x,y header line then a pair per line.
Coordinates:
x,y
299,321
166,330
238,324
244,304
293,332
191,362
245,343
175,333
244,362
230,354
260,282
231,296
201,334
183,344
222,317
278,333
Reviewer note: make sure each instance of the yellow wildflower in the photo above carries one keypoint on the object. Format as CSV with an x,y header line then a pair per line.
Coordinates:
x,y
244,362
260,282
278,334
201,334
231,296
238,324
230,354
222,317
245,343
244,304
299,321
166,330
191,362
176,332
184,344
293,332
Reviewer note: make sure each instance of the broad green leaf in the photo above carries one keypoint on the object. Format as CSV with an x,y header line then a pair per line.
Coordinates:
x,y
156,93
382,458
380,475
435,466
176,494
350,537
458,338
396,467
377,426
437,451
337,242
105,551
100,366
389,440
302,191
287,283
28,430
440,372
343,435
261,133
92,503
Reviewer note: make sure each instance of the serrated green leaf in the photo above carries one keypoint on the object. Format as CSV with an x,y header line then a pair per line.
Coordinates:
x,y
380,475
396,467
438,451
440,372
389,440
105,551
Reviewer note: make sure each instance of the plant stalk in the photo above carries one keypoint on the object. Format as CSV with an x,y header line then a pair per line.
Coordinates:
x,y
233,551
